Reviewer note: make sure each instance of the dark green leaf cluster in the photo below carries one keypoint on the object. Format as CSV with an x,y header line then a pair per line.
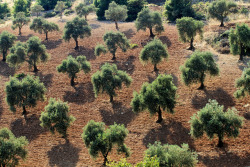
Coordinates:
x,y
19,21
243,84
50,4
172,155
100,140
100,49
147,162
24,92
214,121
197,66
4,10
6,42
21,6
109,79
84,10
154,52
134,7
56,117
12,149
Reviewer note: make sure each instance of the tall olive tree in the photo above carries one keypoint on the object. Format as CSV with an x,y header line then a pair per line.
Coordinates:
x,y
6,42
19,21
77,28
243,84
37,9
24,92
116,13
155,97
99,140
214,121
109,79
84,10
197,66
60,6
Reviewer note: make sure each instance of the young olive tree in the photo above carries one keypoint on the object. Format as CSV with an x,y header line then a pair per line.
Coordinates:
x,y
148,19
19,21
239,40
37,9
197,66
214,121
109,79
56,117
41,25
6,42
113,41
188,29
154,52
84,10
33,51
77,28
155,97
100,140
116,13
24,92
60,6
220,9
172,155
72,66
243,84
12,149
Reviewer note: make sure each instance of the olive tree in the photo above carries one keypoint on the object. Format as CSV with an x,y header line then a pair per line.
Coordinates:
x,y
154,52
197,66
188,28
37,9
172,155
6,42
84,10
33,52
214,121
243,84
109,79
100,140
116,13
56,117
41,25
113,41
220,9
19,21
148,19
60,6
12,149
24,92
77,28
72,66
155,97
239,40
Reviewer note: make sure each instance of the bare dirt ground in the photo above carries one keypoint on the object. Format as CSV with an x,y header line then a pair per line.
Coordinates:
x,y
46,149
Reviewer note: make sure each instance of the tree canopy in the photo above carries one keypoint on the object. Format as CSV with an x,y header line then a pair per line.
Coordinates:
x,y
197,66
214,121
84,10
60,6
6,42
100,140
36,9
134,7
19,21
109,79
243,84
4,10
155,97
21,6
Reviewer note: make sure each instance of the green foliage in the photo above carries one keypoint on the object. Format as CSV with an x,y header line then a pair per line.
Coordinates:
x,y
243,84
116,13
60,6
4,10
176,9
50,4
6,42
36,9
188,28
147,162
154,52
172,155
21,6
220,9
133,45
84,10
68,12
12,149
56,117
239,40
109,79
148,19
100,140
43,26
19,21
134,7
77,28
157,96
49,14
214,121
24,92
72,66
197,66
244,11
100,49
33,51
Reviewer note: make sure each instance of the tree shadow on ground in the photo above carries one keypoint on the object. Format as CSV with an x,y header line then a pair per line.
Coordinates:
x,y
5,70
129,33
220,95
83,93
146,41
28,127
170,132
175,79
23,38
127,66
52,44
165,40
243,64
46,79
95,26
120,114
88,52
63,155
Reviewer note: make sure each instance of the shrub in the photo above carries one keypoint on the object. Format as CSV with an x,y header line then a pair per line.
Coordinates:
x,y
243,84
68,12
4,10
50,14
133,45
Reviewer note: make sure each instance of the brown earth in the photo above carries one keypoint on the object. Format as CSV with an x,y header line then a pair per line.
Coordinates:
x,y
46,149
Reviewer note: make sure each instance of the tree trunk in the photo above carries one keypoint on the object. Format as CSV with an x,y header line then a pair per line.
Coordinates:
x,y
241,52
72,82
61,15
151,32
105,159
37,14
159,115
35,68
191,47
155,68
46,34
220,143
4,56
20,33
24,111
116,25
222,23
86,17
113,58
202,82
76,44
111,98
